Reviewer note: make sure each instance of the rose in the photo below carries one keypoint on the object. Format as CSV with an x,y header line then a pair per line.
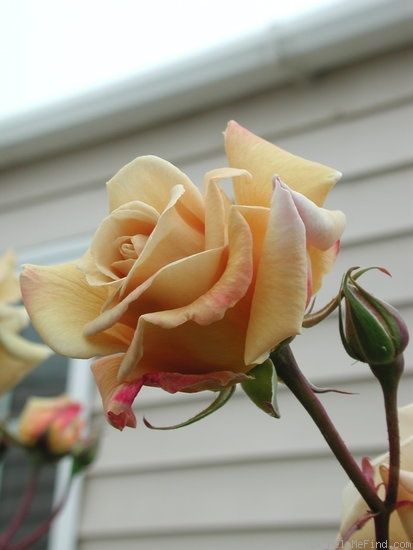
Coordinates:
x,y
51,423
187,291
355,509
17,355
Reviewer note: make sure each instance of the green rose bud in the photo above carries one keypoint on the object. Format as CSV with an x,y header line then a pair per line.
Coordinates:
x,y
371,330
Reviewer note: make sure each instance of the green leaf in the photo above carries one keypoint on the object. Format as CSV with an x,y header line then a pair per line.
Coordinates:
x,y
262,389
223,397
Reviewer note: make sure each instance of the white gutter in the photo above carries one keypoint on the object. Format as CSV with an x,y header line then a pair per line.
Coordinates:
x,y
280,54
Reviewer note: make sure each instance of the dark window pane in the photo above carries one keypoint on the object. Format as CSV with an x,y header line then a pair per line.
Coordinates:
x,y
47,380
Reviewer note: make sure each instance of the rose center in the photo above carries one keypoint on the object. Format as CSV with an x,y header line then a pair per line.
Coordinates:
x,y
129,249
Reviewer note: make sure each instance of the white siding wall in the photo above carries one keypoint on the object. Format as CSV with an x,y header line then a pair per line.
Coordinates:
x,y
240,479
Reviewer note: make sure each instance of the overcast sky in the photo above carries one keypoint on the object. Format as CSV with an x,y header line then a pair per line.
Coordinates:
x,y
54,49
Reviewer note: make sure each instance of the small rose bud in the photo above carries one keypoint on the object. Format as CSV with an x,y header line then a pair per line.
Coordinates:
x,y
50,426
371,330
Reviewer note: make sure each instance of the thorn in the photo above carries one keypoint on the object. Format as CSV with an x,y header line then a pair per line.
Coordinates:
x,y
318,389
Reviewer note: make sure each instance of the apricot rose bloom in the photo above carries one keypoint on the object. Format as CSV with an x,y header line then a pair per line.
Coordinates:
x,y
52,422
188,291
401,522
17,355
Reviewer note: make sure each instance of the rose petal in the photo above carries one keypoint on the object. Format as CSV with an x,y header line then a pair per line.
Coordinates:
x,y
9,283
216,207
173,382
322,262
117,399
171,240
150,180
12,370
21,349
60,303
264,160
404,531
280,294
175,285
13,318
215,215
211,306
323,227
406,421
406,494
354,506
130,219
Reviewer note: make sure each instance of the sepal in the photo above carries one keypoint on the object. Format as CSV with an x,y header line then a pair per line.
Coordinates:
x,y
223,396
262,388
84,455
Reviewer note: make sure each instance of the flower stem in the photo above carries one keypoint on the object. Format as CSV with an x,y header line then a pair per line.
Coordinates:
x,y
22,510
389,378
289,372
381,527
44,527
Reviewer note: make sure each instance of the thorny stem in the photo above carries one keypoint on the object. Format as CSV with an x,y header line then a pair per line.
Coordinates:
x,y
289,372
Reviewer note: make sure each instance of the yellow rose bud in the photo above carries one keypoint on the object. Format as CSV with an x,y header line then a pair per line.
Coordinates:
x,y
52,425
189,291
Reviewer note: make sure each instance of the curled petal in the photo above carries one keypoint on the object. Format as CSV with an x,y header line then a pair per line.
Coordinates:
x,y
21,349
241,180
263,160
175,285
117,399
133,218
150,180
323,227
173,382
211,306
60,303
12,369
13,318
280,293
217,207
172,239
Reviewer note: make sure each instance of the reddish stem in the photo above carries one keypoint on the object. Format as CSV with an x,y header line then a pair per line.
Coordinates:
x,y
23,509
44,527
290,373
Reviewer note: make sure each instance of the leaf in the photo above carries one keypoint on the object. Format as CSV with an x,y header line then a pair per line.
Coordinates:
x,y
262,389
223,397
